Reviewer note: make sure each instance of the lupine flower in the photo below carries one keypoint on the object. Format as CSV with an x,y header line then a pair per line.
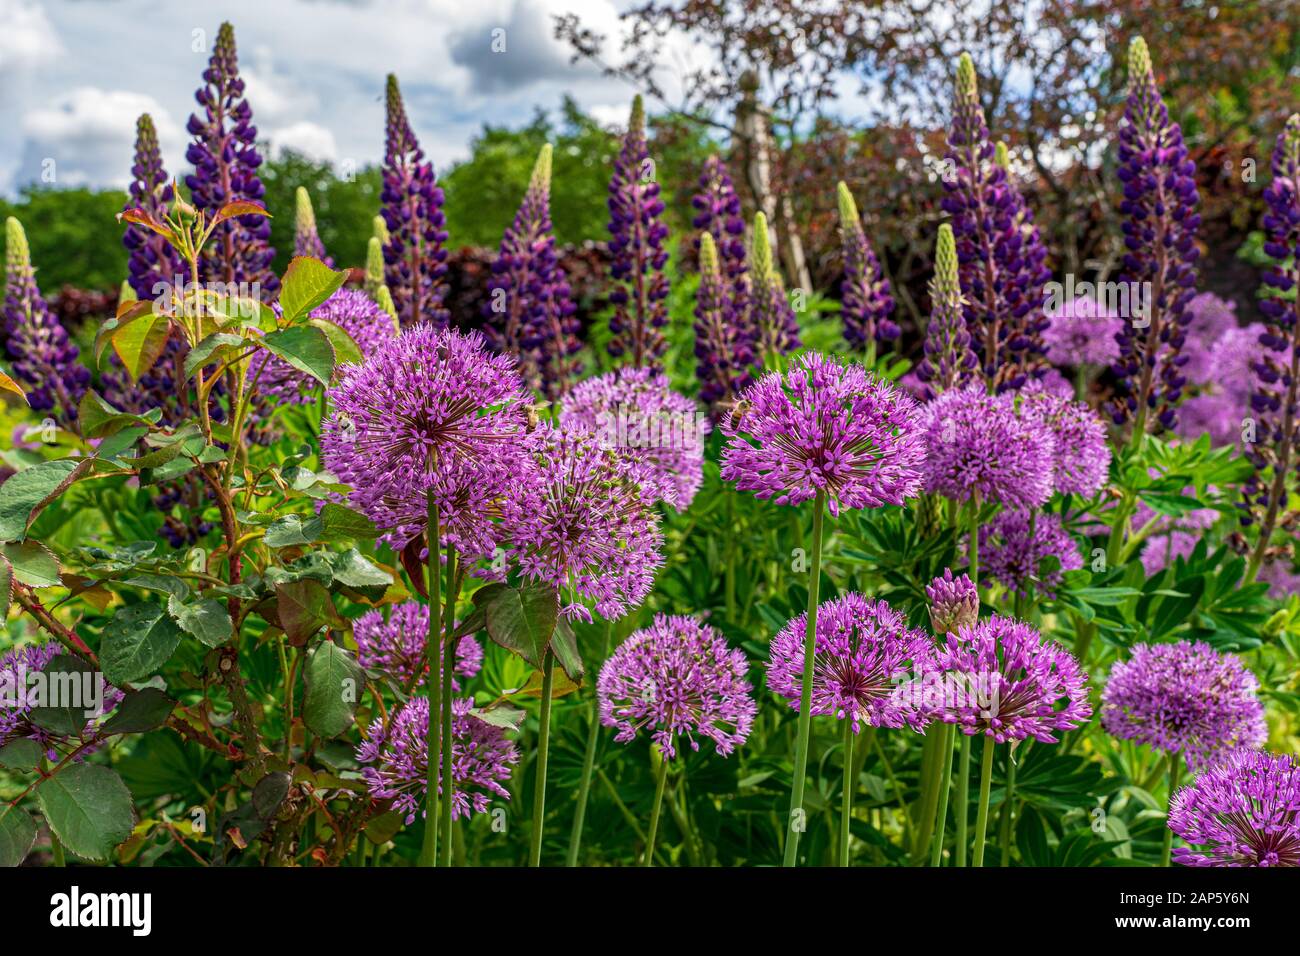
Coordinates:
x,y
977,446
1014,545
1160,223
397,646
1082,332
772,318
411,202
19,693
481,758
1002,259
42,359
677,677
1244,811
825,427
867,302
863,652
723,346
1184,698
431,412
530,310
1006,682
225,160
306,240
719,216
637,250
634,411
954,602
1081,453
949,360
152,260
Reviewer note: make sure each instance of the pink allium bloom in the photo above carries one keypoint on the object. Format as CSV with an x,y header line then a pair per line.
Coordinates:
x,y
481,758
863,652
19,693
954,602
1081,452
635,412
1223,371
1163,550
824,426
1184,698
397,646
677,677
1004,681
1014,545
978,446
1056,384
1210,316
1282,581
1244,811
430,412
1082,332
587,525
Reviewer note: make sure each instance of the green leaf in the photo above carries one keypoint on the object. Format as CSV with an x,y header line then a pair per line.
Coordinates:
x,y
354,571
290,531
17,835
138,641
6,586
98,419
346,350
340,523
25,495
141,711
89,809
307,283
21,754
139,344
565,647
65,705
206,619
334,681
306,348
215,345
520,620
303,607
32,564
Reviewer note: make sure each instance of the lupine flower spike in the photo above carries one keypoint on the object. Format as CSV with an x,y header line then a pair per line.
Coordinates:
x,y
723,346
949,361
306,239
775,325
865,292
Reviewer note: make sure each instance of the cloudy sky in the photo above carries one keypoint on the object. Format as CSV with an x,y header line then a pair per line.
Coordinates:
x,y
75,74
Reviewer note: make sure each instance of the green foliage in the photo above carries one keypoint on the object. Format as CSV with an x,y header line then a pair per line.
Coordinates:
x,y
74,236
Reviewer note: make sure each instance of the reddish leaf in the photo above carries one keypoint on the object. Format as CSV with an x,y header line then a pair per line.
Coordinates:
x,y
240,207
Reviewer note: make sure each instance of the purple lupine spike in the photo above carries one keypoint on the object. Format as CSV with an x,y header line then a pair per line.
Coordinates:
x,y
865,293
152,259
1160,223
414,254
530,308
724,349
637,250
1277,370
949,361
42,359
776,328
225,159
1002,258
719,215
306,239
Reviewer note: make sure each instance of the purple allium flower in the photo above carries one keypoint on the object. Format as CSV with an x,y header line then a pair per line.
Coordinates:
x,y
1015,544
954,602
411,203
530,309
863,651
1281,579
637,250
431,412
1160,226
481,758
1222,370
949,361
1209,317
719,216
1002,259
867,302
43,360
634,411
152,260
723,345
397,646
977,446
1245,811
827,427
306,240
1007,682
20,693
1184,698
677,677
772,319
1082,332
225,160
1081,452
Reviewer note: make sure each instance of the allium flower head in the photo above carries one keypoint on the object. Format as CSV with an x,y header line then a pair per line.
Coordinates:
x,y
397,646
863,652
587,525
977,446
954,602
1081,451
865,292
1244,811
949,360
1006,682
1015,544
306,238
398,756
772,319
21,691
1184,698
677,677
431,412
824,426
1082,332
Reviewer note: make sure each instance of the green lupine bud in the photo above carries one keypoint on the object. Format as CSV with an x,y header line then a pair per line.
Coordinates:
x,y
380,229
708,255
848,208
18,257
384,299
945,263
1001,157
637,120
541,178
762,251
1139,63
374,268
966,86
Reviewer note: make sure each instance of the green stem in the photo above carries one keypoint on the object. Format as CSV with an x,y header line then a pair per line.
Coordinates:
x,y
962,810
661,777
1175,767
1007,808
433,652
543,742
975,543
928,798
846,795
795,823
588,761
448,665
982,815
945,784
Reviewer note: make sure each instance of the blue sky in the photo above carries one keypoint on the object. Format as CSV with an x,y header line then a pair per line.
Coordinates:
x,y
75,74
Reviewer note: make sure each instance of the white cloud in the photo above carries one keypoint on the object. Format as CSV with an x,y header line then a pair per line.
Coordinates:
x,y
27,41
309,139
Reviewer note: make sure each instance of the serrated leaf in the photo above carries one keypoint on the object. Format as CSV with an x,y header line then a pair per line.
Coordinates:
x,y
66,688
17,835
140,711
564,645
522,620
24,495
138,641
334,681
21,754
306,348
32,564
139,344
206,619
303,607
89,809
346,350
307,284
214,346
354,571
7,384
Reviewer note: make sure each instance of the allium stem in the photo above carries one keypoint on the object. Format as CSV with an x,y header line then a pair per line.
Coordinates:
x,y
846,796
448,666
945,784
1175,768
433,651
661,777
795,824
543,740
1007,808
588,761
982,815
962,809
